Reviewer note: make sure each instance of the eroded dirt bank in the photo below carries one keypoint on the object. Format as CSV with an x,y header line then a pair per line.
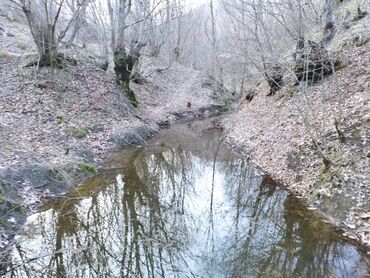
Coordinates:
x,y
286,134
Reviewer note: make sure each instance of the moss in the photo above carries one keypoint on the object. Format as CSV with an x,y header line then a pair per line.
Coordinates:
x,y
226,105
322,180
20,208
2,200
86,167
65,74
5,223
2,196
60,61
130,94
291,91
333,153
330,175
339,64
57,174
61,120
76,133
60,173
298,178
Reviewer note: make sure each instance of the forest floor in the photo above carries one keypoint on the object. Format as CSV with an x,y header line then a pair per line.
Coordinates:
x,y
56,128
277,134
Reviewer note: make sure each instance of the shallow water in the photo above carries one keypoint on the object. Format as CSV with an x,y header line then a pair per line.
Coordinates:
x,y
183,206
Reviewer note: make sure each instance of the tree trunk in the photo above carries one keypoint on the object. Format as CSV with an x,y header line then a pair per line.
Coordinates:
x,y
124,64
72,38
329,27
217,66
80,18
45,39
47,50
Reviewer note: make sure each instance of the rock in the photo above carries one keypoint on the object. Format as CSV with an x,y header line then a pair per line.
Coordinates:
x,y
12,220
2,32
250,95
324,192
164,124
133,136
351,236
351,226
312,63
29,58
274,77
365,215
104,65
312,208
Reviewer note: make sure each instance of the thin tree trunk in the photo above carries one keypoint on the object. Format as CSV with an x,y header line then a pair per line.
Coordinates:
x,y
329,27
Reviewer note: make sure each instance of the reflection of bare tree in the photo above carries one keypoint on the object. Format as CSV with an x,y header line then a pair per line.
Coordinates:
x,y
283,240
310,254
153,217
129,226
210,231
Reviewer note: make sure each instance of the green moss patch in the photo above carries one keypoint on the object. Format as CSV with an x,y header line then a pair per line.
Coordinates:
x,y
76,132
86,167
226,105
59,173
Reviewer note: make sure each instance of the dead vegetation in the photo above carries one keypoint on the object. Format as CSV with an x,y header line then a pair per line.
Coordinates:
x,y
290,134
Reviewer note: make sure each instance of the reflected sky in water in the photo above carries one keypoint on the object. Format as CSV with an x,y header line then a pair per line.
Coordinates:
x,y
183,206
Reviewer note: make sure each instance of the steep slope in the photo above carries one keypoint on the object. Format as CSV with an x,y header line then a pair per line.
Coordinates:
x,y
287,134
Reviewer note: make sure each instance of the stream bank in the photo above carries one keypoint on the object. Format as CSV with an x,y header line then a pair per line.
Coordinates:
x,y
278,134
181,205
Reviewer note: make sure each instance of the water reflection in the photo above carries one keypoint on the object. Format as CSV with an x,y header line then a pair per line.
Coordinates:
x,y
183,207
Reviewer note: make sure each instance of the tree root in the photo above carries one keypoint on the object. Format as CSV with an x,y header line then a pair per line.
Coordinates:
x,y
59,62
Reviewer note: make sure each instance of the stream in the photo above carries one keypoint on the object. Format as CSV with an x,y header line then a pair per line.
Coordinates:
x,y
182,205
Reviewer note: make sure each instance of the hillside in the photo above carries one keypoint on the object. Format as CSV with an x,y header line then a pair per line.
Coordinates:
x,y
281,134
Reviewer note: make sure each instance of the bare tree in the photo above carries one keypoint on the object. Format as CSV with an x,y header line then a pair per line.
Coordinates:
x,y
79,21
43,18
329,27
212,36
127,49
250,15
101,26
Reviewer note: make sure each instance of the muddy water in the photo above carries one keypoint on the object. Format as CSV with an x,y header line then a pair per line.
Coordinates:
x,y
183,206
